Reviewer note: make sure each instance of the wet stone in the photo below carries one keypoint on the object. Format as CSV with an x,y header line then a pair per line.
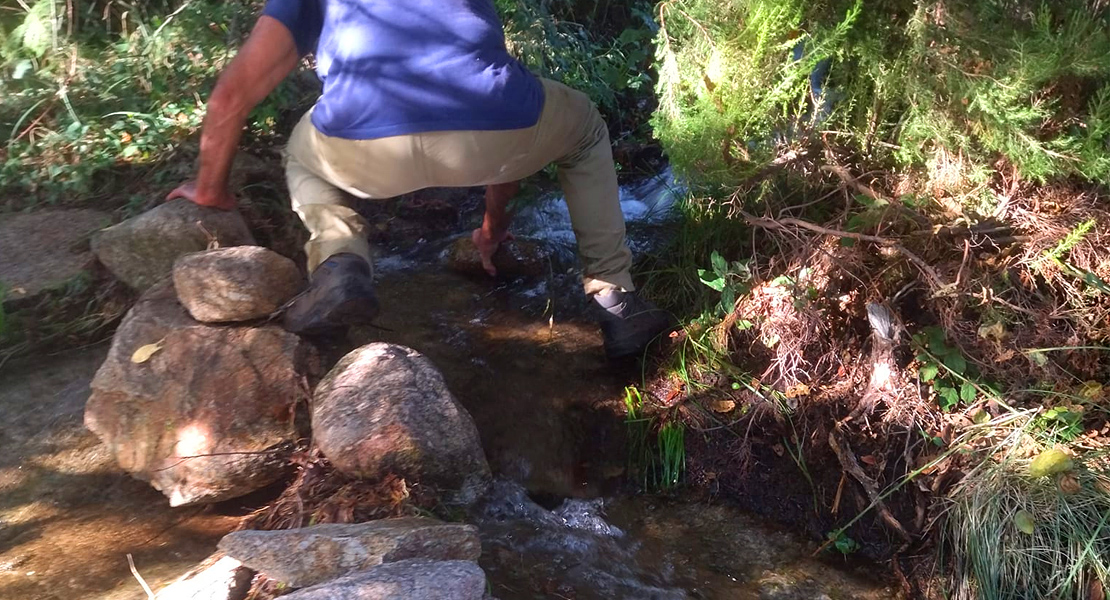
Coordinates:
x,y
217,578
404,580
385,409
235,284
204,413
141,251
312,555
514,258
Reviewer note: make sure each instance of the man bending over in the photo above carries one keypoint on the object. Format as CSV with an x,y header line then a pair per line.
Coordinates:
x,y
416,94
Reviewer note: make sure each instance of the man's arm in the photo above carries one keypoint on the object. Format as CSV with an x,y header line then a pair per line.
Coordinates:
x,y
268,55
495,224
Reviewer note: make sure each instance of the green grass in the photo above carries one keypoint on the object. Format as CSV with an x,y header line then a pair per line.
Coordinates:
x,y
1014,536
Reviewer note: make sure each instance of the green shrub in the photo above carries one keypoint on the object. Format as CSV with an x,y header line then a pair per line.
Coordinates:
x,y
1022,81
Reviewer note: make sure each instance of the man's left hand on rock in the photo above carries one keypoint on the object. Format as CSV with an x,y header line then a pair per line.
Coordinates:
x,y
222,199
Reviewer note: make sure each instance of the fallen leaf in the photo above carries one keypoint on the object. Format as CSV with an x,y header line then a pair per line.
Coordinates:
x,y
143,353
1091,390
797,390
1095,590
993,331
722,406
1050,462
868,459
1024,522
779,449
1068,484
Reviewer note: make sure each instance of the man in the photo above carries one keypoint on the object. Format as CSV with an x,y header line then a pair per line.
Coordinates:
x,y
418,93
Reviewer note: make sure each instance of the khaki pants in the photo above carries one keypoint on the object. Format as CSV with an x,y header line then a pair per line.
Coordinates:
x,y
570,133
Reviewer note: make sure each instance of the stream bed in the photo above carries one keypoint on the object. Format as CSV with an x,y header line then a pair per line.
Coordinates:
x,y
524,358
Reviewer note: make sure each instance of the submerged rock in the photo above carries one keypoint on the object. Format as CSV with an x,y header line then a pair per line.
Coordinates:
x,y
311,555
203,413
235,284
404,580
386,409
141,251
514,258
219,577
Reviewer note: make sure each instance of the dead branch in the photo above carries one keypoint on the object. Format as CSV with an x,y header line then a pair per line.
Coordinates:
x,y
851,465
925,268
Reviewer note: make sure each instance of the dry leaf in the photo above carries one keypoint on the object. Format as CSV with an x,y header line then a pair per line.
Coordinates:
x,y
1095,590
993,331
1091,390
797,390
722,406
779,449
868,460
143,353
1068,484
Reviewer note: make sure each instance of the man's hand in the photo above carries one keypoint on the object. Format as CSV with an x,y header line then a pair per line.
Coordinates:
x,y
223,200
487,244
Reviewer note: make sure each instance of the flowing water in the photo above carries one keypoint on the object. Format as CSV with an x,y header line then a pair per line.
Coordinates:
x,y
524,359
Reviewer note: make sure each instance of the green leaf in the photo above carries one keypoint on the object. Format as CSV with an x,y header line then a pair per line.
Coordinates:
x,y
22,68
716,284
928,372
947,398
1023,520
1050,462
956,362
968,392
720,265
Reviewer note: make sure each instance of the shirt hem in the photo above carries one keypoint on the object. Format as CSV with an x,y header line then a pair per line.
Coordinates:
x,y
384,131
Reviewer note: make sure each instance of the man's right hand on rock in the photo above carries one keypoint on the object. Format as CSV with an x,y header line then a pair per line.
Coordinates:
x,y
223,199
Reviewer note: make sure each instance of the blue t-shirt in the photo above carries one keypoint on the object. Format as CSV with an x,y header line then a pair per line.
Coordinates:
x,y
397,67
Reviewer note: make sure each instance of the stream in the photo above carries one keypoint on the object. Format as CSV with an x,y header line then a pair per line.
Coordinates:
x,y
524,358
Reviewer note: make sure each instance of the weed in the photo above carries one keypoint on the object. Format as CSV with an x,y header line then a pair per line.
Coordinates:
x,y
842,543
730,279
954,383
672,455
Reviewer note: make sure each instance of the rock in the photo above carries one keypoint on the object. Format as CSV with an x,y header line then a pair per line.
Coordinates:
x,y
404,580
43,250
219,577
140,251
386,409
235,284
515,258
312,555
203,413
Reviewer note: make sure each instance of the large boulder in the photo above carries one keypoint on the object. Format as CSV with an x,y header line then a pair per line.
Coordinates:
x,y
385,409
219,577
203,413
141,251
514,258
43,250
312,555
404,580
235,284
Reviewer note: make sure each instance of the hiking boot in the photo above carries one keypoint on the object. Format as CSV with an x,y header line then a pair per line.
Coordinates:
x,y
629,323
341,294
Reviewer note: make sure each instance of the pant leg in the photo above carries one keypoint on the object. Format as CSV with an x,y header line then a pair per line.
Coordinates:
x,y
334,226
571,134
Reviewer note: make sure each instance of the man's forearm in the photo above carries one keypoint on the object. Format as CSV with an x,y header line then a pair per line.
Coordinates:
x,y
219,140
497,216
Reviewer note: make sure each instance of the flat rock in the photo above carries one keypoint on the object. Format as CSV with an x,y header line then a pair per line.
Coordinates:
x,y
514,258
385,409
204,413
312,555
404,580
141,251
44,249
219,577
240,283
